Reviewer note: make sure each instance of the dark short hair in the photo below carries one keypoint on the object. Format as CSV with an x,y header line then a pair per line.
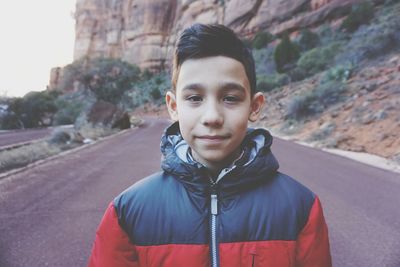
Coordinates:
x,y
206,40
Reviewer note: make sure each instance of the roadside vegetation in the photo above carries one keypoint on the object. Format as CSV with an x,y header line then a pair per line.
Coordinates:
x,y
60,140
328,54
95,97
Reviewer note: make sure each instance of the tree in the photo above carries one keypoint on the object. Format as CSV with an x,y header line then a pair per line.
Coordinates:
x,y
285,53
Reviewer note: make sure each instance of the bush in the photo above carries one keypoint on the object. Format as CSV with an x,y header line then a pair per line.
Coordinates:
x,y
315,101
378,38
340,73
95,132
35,109
107,78
285,53
10,121
155,93
60,136
247,42
71,105
149,89
361,13
308,40
317,59
262,39
264,60
297,74
266,83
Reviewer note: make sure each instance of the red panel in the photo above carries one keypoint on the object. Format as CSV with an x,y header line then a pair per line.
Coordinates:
x,y
313,242
174,255
258,253
112,246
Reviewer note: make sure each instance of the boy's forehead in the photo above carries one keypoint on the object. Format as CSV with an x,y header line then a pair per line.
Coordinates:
x,y
212,70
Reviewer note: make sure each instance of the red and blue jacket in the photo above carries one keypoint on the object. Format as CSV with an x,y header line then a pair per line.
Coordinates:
x,y
250,215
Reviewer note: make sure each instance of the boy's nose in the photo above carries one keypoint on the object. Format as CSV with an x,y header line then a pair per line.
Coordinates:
x,y
212,116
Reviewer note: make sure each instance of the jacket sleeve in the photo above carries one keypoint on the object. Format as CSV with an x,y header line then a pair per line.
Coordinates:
x,y
313,242
112,246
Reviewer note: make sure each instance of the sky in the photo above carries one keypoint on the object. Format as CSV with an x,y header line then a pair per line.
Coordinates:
x,y
35,37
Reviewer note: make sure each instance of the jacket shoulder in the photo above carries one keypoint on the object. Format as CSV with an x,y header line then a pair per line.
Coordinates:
x,y
140,190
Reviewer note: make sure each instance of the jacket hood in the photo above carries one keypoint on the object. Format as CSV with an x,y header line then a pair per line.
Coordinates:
x,y
256,164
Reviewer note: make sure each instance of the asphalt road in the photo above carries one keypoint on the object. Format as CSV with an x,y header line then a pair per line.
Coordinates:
x,y
49,214
19,136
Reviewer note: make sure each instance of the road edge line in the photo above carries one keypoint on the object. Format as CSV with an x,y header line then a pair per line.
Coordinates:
x,y
365,158
70,151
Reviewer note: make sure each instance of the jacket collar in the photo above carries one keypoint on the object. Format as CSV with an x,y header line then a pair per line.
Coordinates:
x,y
256,164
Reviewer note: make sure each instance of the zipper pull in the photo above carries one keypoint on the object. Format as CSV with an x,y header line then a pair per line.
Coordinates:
x,y
214,204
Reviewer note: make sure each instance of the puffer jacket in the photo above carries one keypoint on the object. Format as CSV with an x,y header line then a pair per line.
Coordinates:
x,y
251,215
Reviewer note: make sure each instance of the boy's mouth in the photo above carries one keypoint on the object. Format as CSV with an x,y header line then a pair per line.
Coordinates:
x,y
213,137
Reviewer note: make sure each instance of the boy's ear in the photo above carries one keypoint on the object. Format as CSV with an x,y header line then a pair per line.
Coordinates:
x,y
170,99
257,103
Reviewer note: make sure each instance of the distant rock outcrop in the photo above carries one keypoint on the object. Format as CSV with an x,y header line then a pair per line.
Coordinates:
x,y
143,32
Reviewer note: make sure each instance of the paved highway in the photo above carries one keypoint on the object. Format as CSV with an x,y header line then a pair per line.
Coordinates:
x,y
49,214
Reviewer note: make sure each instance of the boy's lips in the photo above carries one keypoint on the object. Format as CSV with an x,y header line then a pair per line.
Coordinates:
x,y
212,138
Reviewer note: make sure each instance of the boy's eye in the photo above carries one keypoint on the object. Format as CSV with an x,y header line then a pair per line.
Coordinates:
x,y
194,98
231,99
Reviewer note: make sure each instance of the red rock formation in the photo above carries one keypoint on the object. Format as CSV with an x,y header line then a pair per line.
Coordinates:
x,y
143,32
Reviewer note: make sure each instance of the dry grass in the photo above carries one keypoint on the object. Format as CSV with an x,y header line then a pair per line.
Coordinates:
x,y
21,156
95,132
60,140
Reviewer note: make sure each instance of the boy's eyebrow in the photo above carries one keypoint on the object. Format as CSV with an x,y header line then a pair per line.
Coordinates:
x,y
193,86
224,86
233,86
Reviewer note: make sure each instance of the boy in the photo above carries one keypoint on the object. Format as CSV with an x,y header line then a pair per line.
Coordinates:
x,y
219,200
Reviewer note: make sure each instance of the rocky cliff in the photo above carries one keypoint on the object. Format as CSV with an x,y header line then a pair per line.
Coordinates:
x,y
143,32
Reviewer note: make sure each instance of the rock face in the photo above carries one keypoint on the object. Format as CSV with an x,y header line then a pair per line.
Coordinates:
x,y
143,32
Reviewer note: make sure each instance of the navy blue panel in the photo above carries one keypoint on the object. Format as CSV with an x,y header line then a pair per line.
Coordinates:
x,y
275,210
159,210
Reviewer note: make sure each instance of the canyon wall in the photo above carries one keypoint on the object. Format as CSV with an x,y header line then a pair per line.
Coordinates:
x,y
144,32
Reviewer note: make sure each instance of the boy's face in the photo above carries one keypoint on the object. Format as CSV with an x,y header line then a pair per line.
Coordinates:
x,y
213,104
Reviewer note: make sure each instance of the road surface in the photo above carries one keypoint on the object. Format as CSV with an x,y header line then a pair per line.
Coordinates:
x,y
19,136
49,214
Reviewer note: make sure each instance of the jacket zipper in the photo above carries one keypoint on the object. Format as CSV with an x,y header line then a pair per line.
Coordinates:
x,y
214,213
214,217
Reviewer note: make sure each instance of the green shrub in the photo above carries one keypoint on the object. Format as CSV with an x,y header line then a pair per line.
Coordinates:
x,y
10,121
361,13
376,39
317,59
340,73
107,78
94,132
35,109
261,39
315,101
60,136
71,105
150,89
264,60
155,93
247,42
266,83
297,74
285,53
308,40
